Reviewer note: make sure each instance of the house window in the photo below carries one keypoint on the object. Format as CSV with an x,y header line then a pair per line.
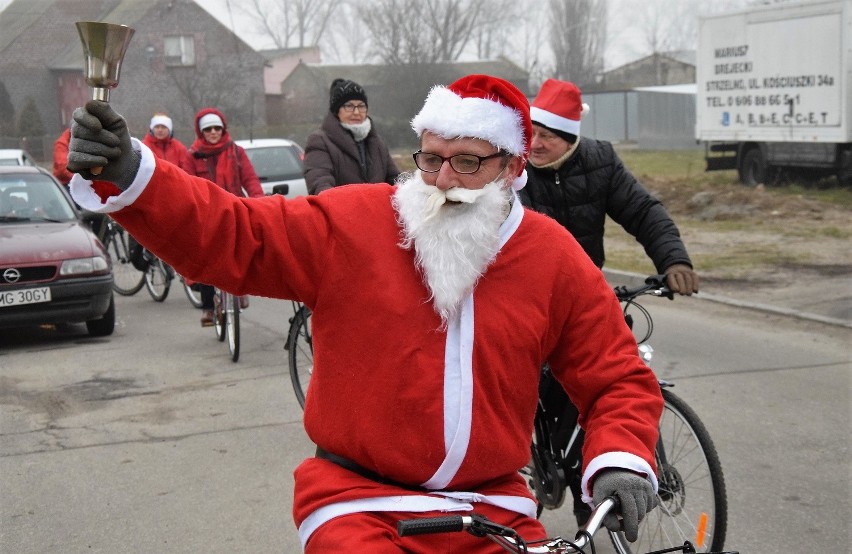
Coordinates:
x,y
179,50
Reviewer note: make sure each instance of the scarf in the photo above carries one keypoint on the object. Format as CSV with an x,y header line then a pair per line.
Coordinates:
x,y
225,172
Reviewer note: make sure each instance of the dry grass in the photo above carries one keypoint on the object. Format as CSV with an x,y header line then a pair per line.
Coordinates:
x,y
736,232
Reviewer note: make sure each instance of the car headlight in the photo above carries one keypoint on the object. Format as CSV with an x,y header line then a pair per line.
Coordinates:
x,y
82,266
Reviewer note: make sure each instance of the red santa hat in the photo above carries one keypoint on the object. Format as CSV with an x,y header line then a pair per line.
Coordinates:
x,y
559,106
482,107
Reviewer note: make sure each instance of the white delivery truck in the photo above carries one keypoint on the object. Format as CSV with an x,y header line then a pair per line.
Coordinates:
x,y
773,90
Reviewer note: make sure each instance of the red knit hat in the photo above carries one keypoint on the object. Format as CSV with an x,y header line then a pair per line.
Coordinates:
x,y
559,106
482,107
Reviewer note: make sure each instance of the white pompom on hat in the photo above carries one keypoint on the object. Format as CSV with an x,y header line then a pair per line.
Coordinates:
x,y
559,106
482,107
161,119
210,120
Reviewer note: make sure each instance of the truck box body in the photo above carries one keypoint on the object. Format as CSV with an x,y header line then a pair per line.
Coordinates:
x,y
776,79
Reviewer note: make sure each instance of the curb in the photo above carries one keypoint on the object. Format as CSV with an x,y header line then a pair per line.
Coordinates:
x,y
626,277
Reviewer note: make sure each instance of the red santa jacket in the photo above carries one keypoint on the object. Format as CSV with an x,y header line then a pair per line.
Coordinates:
x,y
377,393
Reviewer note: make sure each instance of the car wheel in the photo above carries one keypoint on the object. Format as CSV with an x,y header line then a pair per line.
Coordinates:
x,y
105,325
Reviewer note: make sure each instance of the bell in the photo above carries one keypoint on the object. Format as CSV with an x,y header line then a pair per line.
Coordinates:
x,y
104,45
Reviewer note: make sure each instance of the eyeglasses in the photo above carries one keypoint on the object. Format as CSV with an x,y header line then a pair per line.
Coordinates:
x,y
349,107
461,163
212,128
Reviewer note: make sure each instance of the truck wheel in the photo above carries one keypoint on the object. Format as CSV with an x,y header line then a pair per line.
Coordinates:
x,y
753,168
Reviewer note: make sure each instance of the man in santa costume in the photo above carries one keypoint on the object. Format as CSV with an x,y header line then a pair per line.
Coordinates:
x,y
434,304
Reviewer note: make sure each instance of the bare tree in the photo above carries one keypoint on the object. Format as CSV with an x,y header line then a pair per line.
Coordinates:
x,y
669,25
346,42
292,23
422,31
578,38
529,39
396,32
496,24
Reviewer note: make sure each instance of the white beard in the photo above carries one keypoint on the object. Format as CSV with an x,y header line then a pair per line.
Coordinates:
x,y
454,241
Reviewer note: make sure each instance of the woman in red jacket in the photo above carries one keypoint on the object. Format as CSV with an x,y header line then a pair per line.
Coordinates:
x,y
160,139
215,157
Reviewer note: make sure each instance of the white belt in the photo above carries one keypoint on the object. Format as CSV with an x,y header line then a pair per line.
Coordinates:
x,y
451,502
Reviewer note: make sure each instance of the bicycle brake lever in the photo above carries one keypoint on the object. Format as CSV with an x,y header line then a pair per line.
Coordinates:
x,y
480,527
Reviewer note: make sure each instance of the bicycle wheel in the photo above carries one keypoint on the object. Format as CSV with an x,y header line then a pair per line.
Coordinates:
x,y
220,300
158,279
232,326
692,501
193,295
127,280
300,348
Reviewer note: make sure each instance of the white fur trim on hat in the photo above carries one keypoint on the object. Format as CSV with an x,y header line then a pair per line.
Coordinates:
x,y
210,120
554,121
450,116
161,119
520,181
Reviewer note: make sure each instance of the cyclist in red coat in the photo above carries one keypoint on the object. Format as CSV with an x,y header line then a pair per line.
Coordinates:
x,y
434,304
215,157
160,139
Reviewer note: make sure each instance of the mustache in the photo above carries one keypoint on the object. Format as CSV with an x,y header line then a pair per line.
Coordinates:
x,y
456,194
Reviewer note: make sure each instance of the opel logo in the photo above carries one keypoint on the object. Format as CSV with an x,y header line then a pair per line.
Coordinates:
x,y
11,275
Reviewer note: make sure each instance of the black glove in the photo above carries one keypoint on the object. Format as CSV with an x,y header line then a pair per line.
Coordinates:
x,y
635,496
99,138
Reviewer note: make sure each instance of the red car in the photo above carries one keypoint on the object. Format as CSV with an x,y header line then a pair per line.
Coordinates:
x,y
52,267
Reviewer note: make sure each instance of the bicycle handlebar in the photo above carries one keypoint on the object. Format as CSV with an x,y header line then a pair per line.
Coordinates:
x,y
480,526
429,525
655,284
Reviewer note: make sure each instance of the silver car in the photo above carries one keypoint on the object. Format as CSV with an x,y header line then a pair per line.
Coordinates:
x,y
15,156
278,164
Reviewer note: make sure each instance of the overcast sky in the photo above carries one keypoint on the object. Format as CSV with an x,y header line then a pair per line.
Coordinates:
x,y
626,43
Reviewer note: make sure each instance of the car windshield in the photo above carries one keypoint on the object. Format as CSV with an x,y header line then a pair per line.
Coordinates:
x,y
273,163
32,197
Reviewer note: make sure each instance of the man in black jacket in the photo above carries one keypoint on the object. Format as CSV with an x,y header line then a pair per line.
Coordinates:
x,y
579,182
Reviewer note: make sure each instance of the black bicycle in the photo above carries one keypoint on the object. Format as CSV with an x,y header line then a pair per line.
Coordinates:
x,y
300,350
127,278
691,496
226,321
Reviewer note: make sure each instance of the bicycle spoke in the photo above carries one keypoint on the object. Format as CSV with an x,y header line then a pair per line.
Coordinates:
x,y
127,280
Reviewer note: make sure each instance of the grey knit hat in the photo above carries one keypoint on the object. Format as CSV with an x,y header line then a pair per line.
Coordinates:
x,y
342,91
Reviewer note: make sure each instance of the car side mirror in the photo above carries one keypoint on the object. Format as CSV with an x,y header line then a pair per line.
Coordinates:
x,y
281,189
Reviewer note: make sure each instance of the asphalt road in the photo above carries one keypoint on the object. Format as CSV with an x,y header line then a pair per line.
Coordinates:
x,y
152,440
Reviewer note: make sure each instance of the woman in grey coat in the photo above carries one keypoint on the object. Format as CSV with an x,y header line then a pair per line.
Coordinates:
x,y
346,149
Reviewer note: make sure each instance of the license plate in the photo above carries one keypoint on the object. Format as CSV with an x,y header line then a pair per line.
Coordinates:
x,y
24,296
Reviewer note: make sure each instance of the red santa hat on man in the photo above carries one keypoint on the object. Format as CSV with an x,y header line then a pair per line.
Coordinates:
x,y
559,107
482,107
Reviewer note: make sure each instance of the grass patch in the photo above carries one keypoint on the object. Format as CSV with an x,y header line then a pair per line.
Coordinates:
x,y
825,190
687,166
674,163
